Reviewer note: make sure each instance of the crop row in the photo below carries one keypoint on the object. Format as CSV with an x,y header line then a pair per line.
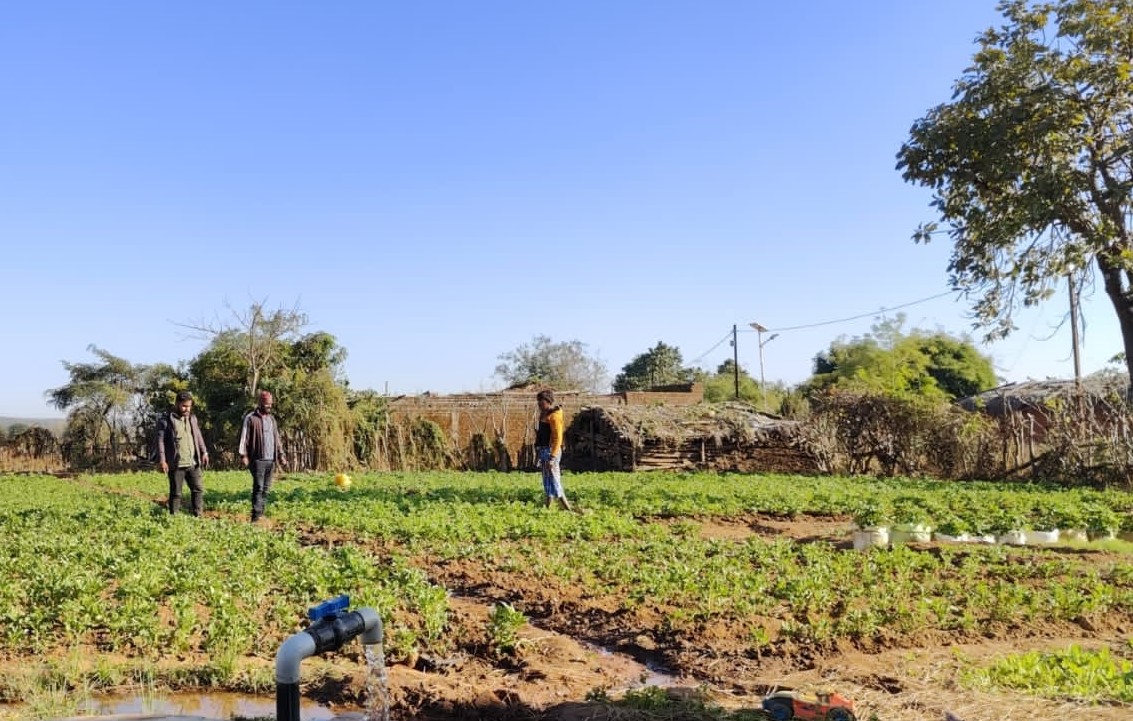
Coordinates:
x,y
812,592
121,575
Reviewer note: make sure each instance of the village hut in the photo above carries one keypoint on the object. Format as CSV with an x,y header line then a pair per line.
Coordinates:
x,y
726,436
1038,398
1055,421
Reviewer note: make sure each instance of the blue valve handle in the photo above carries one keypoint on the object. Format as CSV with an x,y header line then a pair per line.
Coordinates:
x,y
328,608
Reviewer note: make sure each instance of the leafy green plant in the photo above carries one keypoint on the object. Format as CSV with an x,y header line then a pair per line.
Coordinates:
x,y
1102,520
1075,673
1070,516
99,551
504,622
909,510
953,525
1006,520
872,513
1046,517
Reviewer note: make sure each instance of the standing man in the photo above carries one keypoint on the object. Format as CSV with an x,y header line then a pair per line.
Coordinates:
x,y
181,453
260,446
549,448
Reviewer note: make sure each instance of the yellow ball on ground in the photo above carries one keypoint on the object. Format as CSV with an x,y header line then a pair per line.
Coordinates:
x,y
342,481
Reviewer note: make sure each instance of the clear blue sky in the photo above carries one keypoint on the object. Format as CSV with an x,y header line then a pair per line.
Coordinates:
x,y
435,183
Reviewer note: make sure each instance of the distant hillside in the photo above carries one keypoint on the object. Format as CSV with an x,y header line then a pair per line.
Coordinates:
x,y
55,425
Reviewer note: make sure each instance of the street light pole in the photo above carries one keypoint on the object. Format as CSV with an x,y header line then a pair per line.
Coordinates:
x,y
736,361
760,330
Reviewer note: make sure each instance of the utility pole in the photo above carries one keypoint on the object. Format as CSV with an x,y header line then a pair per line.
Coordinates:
x,y
736,361
1074,329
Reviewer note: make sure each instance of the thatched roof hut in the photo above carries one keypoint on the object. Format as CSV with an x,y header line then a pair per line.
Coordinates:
x,y
1034,397
728,436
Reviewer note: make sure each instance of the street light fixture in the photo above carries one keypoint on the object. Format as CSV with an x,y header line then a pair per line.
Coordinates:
x,y
760,330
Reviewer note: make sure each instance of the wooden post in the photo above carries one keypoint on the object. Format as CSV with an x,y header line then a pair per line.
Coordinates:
x,y
594,439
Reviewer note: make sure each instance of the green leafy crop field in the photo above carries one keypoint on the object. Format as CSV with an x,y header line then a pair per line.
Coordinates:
x,y
733,581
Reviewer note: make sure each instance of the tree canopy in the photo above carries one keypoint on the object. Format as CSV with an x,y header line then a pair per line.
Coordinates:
x,y
563,365
260,336
105,401
659,366
1031,162
917,364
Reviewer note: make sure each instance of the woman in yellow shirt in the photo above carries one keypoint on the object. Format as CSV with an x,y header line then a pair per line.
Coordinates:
x,y
549,447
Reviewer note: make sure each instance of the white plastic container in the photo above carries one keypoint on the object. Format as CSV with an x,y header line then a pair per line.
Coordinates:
x,y
1012,538
945,538
1041,538
869,537
910,533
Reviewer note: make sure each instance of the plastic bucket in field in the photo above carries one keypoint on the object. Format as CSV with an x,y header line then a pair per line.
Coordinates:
x,y
869,537
1012,538
910,533
1041,538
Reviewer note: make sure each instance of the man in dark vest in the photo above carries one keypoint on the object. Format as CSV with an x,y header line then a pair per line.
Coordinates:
x,y
260,448
181,453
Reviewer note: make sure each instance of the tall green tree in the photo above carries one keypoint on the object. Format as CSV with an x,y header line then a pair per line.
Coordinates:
x,y
105,404
721,385
1031,162
923,364
660,365
312,399
310,396
563,365
218,377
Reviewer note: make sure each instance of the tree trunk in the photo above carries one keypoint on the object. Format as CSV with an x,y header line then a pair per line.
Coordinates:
x,y
1122,299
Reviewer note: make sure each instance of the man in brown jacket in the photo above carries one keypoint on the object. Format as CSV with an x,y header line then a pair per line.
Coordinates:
x,y
181,453
260,448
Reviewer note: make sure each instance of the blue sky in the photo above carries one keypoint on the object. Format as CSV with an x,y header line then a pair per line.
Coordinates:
x,y
436,183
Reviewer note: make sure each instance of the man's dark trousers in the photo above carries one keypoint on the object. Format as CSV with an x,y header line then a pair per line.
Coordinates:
x,y
261,484
177,479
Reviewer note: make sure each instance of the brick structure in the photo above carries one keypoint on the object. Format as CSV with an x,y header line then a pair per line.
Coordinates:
x,y
496,430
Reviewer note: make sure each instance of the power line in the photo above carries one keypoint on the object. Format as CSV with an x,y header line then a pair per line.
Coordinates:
x,y
852,317
728,335
700,357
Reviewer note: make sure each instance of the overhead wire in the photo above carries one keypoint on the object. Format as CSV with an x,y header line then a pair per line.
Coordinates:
x,y
841,320
714,347
852,317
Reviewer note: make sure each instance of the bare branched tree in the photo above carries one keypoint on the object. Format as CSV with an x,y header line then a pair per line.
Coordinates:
x,y
258,334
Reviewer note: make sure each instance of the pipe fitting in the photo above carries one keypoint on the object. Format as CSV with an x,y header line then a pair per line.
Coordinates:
x,y
329,633
332,627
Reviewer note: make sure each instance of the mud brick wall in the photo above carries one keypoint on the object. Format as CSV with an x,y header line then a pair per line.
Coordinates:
x,y
507,420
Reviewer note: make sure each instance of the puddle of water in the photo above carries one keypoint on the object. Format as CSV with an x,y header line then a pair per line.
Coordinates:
x,y
209,705
651,675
